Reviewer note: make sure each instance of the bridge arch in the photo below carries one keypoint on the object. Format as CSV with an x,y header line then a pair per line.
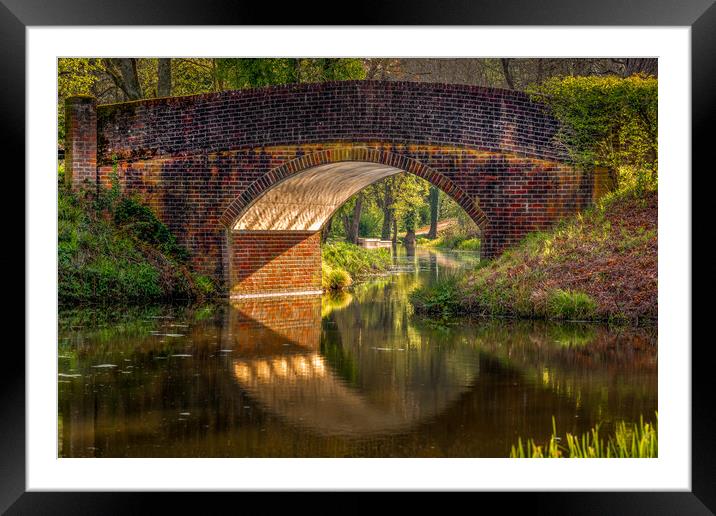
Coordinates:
x,y
273,227
331,185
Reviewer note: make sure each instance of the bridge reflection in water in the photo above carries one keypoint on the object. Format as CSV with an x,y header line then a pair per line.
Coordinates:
x,y
355,375
283,369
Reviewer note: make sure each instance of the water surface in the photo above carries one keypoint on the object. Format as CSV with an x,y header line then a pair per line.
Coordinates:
x,y
353,375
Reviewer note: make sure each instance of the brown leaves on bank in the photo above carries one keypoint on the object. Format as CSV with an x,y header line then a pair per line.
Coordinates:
x,y
609,253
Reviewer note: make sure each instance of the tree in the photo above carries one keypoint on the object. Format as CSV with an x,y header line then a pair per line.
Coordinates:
x,y
385,197
252,73
164,77
123,72
74,77
434,199
507,73
607,121
351,218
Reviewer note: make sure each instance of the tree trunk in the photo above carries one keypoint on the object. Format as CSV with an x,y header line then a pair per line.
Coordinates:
x,y
506,72
326,230
434,197
388,210
395,231
164,78
388,216
355,222
128,77
409,242
647,66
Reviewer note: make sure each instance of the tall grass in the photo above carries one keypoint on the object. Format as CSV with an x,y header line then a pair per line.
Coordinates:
x,y
631,440
343,263
568,304
458,242
334,278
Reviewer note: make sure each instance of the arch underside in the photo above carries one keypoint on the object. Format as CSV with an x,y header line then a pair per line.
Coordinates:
x,y
306,200
273,239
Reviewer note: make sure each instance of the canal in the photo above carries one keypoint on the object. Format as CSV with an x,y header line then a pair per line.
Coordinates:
x,y
348,375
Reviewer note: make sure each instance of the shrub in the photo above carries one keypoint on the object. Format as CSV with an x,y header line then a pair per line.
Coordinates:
x,y
335,278
567,304
141,221
469,244
607,121
449,240
100,260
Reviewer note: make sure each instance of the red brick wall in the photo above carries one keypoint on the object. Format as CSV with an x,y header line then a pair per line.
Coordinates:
x,y
264,262
81,142
399,112
198,160
263,326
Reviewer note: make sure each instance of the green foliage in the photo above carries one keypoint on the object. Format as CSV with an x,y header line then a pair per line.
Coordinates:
x,y
252,73
141,222
409,193
75,76
334,278
469,244
631,440
567,304
607,121
460,242
355,260
371,220
442,299
204,285
410,219
101,260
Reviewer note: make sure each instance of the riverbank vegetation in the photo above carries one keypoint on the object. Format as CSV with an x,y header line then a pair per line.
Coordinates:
x,y
457,242
599,265
111,248
344,263
630,440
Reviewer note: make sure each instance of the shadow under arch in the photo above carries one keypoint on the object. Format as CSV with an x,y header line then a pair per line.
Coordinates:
x,y
336,173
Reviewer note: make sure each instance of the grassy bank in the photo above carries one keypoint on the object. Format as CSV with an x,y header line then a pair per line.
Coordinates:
x,y
629,441
456,242
600,265
345,263
112,249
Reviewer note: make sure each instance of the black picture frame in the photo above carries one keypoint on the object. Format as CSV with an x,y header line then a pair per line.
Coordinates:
x,y
700,15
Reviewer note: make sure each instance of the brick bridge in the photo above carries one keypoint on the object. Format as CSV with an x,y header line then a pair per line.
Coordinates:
x,y
246,179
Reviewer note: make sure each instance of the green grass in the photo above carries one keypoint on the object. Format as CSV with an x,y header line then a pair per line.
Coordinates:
x,y
458,242
343,263
631,440
567,304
